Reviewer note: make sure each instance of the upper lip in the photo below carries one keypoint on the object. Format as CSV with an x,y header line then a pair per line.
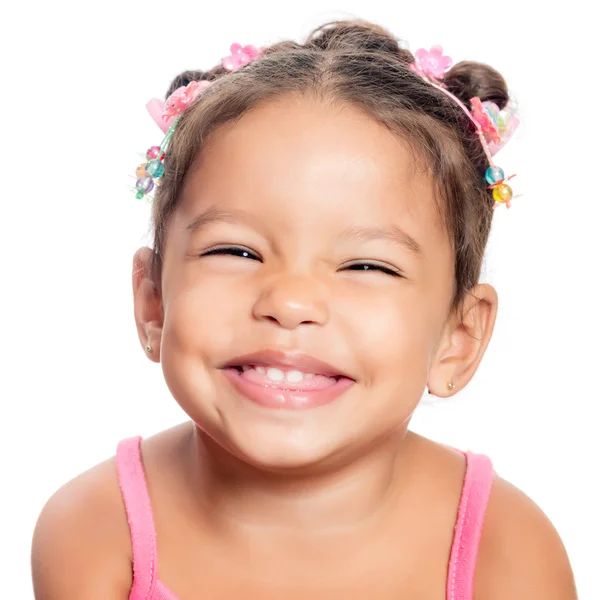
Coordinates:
x,y
286,360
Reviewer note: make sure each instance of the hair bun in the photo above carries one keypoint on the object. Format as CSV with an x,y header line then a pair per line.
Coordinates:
x,y
357,36
468,80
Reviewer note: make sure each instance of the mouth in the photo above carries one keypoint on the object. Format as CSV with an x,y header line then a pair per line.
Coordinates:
x,y
285,368
286,380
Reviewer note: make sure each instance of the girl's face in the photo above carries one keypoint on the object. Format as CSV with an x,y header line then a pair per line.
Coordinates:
x,y
304,229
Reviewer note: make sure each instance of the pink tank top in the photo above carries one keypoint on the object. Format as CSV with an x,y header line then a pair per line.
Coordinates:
x,y
146,585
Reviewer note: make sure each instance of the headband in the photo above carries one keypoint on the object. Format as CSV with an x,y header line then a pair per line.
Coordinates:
x,y
494,126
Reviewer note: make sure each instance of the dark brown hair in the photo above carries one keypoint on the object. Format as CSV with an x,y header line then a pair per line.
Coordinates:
x,y
359,64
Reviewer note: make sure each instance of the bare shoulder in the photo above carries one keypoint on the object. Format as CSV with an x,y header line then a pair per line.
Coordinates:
x,y
521,555
81,547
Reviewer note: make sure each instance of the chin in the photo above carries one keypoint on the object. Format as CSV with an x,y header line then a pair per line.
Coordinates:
x,y
277,454
278,442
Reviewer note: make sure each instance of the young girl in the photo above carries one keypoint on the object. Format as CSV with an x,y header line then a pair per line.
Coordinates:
x,y
320,214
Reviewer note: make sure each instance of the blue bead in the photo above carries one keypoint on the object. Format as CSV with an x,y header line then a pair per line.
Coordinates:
x,y
155,168
494,174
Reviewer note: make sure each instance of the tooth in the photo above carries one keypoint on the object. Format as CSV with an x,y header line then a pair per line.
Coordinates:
x,y
294,376
261,370
245,368
308,375
275,374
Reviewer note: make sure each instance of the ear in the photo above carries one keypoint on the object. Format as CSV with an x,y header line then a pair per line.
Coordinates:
x,y
464,341
147,303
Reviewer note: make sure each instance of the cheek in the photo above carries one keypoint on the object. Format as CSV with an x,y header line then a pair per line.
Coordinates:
x,y
203,321
203,314
395,330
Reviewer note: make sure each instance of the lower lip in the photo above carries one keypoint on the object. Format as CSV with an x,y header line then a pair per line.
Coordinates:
x,y
272,397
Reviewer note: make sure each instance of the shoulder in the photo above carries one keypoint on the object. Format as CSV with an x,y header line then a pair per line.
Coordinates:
x,y
81,548
521,555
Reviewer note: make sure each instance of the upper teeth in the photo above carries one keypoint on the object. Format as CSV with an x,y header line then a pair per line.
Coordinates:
x,y
279,375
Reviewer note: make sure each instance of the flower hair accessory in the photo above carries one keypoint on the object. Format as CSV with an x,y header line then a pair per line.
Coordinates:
x,y
240,57
494,126
167,114
432,64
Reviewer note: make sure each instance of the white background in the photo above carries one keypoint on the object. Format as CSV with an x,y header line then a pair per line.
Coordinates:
x,y
75,78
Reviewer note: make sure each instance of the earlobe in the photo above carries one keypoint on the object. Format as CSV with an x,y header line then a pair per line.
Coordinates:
x,y
465,341
147,303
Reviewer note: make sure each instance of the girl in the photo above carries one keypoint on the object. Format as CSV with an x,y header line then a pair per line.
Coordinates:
x,y
318,235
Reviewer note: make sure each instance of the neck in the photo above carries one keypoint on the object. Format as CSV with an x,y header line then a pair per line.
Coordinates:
x,y
341,496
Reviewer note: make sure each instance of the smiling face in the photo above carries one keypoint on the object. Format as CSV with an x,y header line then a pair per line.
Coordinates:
x,y
304,228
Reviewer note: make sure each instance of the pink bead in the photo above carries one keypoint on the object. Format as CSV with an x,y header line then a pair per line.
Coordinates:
x,y
152,152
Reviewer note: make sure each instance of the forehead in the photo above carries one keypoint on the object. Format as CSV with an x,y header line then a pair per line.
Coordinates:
x,y
296,157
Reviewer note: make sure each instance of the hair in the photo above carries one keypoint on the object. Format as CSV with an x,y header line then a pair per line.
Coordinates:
x,y
359,64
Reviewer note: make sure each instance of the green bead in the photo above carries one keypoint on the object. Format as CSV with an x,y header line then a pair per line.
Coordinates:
x,y
139,195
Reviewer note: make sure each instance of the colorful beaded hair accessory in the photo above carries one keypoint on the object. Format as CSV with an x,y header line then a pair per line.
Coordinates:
x,y
494,126
167,114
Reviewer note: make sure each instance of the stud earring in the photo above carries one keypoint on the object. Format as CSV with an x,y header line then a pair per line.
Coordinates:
x,y
148,348
450,386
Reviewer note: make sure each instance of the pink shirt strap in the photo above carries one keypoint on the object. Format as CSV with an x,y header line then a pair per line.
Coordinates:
x,y
132,481
469,524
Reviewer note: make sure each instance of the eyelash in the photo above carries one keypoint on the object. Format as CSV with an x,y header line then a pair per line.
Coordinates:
x,y
242,252
367,266
231,251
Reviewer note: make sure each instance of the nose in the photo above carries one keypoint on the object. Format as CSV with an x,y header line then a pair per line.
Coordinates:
x,y
292,300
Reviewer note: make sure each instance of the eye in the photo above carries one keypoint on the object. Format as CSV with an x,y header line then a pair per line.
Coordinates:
x,y
238,251
372,266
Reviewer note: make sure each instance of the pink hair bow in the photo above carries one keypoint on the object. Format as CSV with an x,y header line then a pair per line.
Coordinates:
x,y
497,125
164,113
156,108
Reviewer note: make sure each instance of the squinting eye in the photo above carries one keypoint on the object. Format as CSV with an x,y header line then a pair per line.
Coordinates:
x,y
239,251
372,267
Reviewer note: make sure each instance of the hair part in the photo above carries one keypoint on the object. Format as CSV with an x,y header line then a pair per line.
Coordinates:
x,y
362,65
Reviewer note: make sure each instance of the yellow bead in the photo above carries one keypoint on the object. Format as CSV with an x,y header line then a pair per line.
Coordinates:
x,y
502,193
141,171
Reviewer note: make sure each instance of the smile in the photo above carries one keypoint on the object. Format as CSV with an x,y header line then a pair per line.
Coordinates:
x,y
273,379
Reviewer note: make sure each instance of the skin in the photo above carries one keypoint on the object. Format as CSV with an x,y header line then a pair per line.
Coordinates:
x,y
248,501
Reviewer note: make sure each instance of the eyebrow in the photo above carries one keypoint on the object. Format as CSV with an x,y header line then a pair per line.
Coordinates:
x,y
212,215
364,234
393,234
